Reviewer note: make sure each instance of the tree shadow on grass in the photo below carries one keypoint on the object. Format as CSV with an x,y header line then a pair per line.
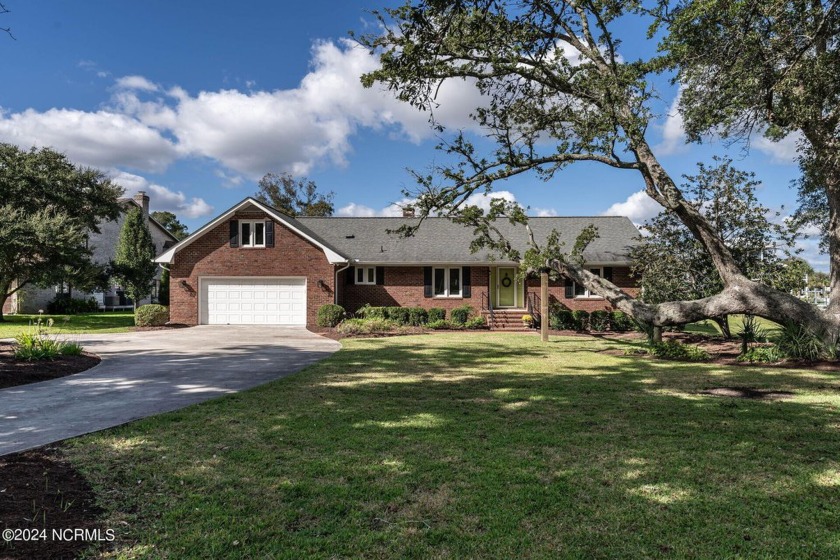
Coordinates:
x,y
401,449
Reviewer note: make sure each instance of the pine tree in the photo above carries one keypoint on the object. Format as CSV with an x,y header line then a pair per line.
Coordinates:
x,y
134,262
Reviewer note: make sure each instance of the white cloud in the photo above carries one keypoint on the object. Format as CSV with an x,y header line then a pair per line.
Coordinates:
x,y
356,210
783,152
295,129
162,198
482,200
639,207
673,130
100,139
136,83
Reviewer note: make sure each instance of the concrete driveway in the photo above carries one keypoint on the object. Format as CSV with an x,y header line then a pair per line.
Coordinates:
x,y
146,373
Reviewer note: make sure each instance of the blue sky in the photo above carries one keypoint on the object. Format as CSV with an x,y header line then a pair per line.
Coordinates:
x,y
194,101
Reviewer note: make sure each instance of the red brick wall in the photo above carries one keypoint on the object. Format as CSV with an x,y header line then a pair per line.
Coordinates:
x,y
557,291
211,255
7,305
404,287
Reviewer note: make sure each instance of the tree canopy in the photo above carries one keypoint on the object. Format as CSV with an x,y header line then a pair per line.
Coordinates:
x,y
294,197
672,265
171,223
47,208
556,90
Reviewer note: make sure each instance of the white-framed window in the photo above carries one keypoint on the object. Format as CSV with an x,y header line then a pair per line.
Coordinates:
x,y
366,275
252,233
447,282
582,292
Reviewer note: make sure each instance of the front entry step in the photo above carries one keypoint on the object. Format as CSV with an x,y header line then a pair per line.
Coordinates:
x,y
506,320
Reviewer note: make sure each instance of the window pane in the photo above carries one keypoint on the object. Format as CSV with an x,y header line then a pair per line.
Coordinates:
x,y
454,281
259,233
360,275
595,271
371,273
579,290
246,234
440,281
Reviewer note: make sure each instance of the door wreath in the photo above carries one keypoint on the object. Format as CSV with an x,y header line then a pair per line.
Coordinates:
x,y
506,282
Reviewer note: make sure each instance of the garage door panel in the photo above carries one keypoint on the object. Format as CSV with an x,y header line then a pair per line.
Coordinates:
x,y
258,301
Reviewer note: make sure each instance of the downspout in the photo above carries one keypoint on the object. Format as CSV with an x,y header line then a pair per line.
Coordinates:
x,y
335,282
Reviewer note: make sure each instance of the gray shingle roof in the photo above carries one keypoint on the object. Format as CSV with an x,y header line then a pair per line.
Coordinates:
x,y
439,240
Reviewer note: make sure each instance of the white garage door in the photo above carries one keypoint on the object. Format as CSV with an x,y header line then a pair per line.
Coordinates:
x,y
253,301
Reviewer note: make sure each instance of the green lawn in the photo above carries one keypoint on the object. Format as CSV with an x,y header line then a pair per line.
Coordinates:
x,y
110,322
482,446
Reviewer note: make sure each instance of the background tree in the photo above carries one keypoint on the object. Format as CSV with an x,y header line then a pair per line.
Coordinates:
x,y
555,91
134,260
294,197
171,223
47,208
672,265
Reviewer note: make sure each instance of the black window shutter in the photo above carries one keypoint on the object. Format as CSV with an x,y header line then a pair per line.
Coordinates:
x,y
269,233
427,281
351,275
380,275
608,276
466,288
570,289
234,233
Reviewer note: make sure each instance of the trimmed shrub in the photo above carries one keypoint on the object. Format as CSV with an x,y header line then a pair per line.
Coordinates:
x,y
437,314
417,316
369,312
399,315
330,315
561,320
460,315
581,319
599,320
365,326
621,322
152,315
674,350
476,323
63,305
762,354
440,324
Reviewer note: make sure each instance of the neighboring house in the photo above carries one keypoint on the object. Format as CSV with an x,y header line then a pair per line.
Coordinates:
x,y
254,265
31,299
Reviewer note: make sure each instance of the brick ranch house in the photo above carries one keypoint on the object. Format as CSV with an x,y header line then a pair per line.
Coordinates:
x,y
254,265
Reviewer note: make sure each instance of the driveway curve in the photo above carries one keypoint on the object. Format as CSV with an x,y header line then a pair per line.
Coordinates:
x,y
149,372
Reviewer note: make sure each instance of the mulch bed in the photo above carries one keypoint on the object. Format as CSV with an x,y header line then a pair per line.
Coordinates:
x,y
41,491
14,372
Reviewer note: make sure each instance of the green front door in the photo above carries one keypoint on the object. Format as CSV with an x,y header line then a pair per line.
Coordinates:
x,y
506,285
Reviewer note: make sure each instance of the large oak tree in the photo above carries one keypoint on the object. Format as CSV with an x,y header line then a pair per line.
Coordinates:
x,y
48,206
556,90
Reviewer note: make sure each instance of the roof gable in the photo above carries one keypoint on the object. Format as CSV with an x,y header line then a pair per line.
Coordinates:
x,y
333,256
